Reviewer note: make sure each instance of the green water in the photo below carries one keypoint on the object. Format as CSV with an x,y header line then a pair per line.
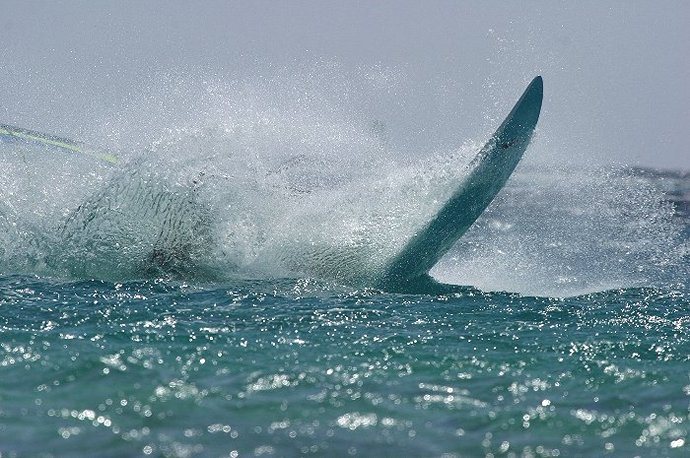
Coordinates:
x,y
294,368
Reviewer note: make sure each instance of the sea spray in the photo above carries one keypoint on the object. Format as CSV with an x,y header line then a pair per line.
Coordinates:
x,y
565,230
290,177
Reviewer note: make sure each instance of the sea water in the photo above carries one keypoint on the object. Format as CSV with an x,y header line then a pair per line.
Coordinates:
x,y
571,339
287,368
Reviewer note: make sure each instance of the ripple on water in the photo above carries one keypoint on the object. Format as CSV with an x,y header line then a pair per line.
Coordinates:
x,y
159,368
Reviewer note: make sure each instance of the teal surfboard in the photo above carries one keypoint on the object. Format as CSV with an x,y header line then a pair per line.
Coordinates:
x,y
489,171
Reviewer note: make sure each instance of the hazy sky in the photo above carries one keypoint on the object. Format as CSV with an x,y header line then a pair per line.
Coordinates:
x,y
617,74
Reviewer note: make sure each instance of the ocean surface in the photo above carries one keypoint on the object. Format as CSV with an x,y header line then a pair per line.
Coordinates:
x,y
296,366
193,299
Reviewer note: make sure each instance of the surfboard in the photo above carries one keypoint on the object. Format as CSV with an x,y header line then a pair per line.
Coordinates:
x,y
11,134
489,172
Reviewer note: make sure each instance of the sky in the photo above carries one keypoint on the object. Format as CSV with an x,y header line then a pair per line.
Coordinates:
x,y
616,73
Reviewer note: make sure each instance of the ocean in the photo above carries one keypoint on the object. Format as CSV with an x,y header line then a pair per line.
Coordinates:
x,y
291,367
188,301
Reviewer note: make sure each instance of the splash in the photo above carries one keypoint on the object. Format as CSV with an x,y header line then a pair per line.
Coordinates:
x,y
565,230
253,186
281,176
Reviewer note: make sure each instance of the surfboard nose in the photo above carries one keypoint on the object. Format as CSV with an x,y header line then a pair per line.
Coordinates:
x,y
535,93
537,82
525,113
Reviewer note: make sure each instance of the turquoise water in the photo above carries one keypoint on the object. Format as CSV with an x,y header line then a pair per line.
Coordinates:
x,y
288,368
299,367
